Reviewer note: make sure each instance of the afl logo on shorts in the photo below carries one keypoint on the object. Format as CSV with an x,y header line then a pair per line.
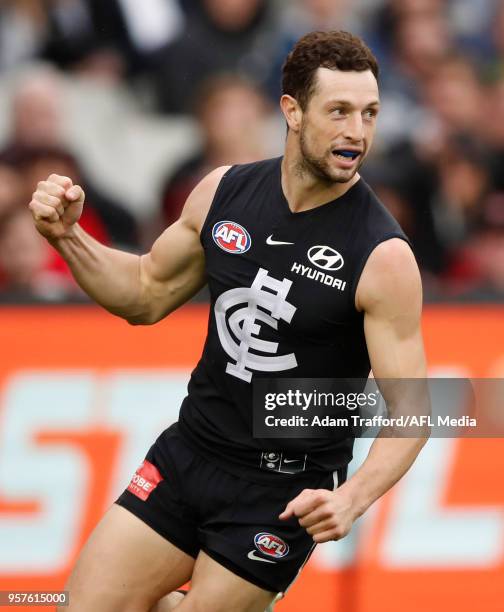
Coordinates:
x,y
271,545
231,237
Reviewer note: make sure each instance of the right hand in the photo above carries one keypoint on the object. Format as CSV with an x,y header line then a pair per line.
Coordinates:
x,y
56,206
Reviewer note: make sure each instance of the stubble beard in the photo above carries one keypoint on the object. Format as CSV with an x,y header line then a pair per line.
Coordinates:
x,y
320,167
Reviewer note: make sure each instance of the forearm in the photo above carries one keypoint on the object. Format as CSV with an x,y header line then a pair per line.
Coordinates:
x,y
110,277
388,460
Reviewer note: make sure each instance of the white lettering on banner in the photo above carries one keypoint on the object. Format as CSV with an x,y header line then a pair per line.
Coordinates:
x,y
420,533
141,404
241,336
55,476
138,404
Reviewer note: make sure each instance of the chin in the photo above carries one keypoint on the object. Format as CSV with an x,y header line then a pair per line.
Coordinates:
x,y
341,176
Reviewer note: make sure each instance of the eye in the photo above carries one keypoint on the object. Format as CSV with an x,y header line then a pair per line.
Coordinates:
x,y
370,113
337,112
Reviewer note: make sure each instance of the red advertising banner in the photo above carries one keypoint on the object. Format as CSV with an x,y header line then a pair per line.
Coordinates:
x,y
83,395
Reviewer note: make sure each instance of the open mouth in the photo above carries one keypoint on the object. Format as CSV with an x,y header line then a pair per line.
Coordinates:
x,y
346,154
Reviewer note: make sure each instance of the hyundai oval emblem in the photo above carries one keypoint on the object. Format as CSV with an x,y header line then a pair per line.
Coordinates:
x,y
325,258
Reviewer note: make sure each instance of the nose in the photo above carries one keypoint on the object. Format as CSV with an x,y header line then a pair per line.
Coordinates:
x,y
354,127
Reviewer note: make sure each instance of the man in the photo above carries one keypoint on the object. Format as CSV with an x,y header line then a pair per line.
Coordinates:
x,y
211,503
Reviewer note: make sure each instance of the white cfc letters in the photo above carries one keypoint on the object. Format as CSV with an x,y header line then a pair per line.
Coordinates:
x,y
239,331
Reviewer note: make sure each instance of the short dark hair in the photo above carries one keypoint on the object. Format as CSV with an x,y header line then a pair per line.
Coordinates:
x,y
337,50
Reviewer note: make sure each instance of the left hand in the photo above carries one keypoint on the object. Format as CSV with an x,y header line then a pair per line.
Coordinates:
x,y
326,515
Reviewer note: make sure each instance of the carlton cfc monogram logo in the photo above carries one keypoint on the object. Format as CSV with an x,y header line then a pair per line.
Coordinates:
x,y
231,237
238,332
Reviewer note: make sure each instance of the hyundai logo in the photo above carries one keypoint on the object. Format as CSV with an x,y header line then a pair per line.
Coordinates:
x,y
325,258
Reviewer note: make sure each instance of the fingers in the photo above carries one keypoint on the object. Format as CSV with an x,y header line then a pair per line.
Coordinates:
x,y
316,516
303,504
43,212
288,512
50,197
62,181
326,536
74,194
51,189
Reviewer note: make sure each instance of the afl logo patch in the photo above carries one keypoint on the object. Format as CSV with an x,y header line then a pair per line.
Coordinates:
x,y
271,545
231,237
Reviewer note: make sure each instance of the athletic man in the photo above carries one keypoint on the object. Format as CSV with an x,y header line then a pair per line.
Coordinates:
x,y
309,276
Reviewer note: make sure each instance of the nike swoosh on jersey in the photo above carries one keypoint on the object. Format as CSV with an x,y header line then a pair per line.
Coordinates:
x,y
252,555
271,242
290,460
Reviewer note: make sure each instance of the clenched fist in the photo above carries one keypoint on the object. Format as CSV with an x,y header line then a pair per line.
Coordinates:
x,y
56,206
326,515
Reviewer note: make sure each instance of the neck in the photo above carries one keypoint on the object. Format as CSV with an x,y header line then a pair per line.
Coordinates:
x,y
304,190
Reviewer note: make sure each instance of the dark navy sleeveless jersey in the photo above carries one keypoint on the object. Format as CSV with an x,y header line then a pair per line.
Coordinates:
x,y
282,288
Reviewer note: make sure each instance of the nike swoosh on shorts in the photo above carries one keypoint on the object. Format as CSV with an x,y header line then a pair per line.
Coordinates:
x,y
252,555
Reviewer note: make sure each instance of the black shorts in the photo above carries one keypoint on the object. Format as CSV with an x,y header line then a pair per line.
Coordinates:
x,y
196,505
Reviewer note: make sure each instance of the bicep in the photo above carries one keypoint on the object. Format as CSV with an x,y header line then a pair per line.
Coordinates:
x,y
391,297
174,270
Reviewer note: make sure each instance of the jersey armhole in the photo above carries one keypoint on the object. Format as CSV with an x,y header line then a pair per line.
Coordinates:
x,y
362,262
213,204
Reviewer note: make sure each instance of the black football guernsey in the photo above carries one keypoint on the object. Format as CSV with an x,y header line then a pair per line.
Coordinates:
x,y
282,289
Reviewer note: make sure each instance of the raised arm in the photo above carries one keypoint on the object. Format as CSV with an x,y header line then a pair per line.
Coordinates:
x,y
390,295
141,289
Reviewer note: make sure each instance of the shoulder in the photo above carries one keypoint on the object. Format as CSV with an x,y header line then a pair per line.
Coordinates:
x,y
390,279
251,174
200,199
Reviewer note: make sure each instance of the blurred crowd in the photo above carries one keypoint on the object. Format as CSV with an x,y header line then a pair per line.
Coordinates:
x,y
137,100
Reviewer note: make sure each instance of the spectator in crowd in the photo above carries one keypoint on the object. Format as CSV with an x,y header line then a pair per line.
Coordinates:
x,y
12,193
485,249
23,28
414,37
38,135
37,110
492,122
28,266
454,95
469,215
27,263
231,113
227,36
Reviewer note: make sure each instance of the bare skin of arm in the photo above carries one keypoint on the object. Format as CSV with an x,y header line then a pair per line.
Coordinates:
x,y
390,295
141,289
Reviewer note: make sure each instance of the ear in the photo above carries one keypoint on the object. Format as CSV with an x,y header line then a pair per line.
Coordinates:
x,y
292,112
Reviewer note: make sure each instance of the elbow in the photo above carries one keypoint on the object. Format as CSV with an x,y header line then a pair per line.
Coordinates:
x,y
141,320
147,317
